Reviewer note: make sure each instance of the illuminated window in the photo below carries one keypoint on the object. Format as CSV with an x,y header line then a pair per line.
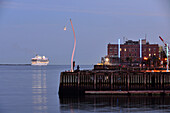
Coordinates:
x,y
154,54
125,49
149,49
149,54
120,49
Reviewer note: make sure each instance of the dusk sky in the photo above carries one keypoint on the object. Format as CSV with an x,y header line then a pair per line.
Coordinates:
x,y
29,27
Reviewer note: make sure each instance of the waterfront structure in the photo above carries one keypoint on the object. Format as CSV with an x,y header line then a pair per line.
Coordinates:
x,y
108,79
132,52
39,60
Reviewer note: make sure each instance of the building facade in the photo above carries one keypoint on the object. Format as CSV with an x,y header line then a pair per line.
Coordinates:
x,y
130,52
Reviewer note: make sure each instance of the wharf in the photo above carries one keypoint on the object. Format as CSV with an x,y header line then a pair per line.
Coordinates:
x,y
114,80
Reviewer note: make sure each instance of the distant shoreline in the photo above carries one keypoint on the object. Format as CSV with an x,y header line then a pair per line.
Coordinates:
x,y
15,64
30,65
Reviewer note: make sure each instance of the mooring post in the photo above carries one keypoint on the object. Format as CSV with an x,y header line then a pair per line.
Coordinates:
x,y
164,81
128,80
111,80
94,80
78,79
161,79
144,80
61,79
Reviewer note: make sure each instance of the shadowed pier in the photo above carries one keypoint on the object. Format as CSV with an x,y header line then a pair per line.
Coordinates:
x,y
119,81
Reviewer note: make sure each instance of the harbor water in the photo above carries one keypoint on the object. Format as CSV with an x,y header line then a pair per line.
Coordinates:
x,y
34,89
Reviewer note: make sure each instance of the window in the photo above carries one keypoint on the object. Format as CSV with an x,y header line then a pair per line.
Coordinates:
x,y
149,55
125,49
154,54
115,49
120,49
149,49
111,50
154,49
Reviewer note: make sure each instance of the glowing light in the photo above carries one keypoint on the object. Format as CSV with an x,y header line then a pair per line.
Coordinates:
x,y
145,58
64,28
149,49
99,63
107,59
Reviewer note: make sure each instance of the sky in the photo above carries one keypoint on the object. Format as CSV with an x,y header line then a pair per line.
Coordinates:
x,y
30,27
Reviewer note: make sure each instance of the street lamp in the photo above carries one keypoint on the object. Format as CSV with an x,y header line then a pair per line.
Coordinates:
x,y
74,45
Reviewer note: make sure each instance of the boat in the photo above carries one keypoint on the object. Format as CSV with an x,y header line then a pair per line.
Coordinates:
x,y
39,60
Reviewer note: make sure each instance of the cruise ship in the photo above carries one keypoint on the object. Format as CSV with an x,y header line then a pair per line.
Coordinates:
x,y
39,60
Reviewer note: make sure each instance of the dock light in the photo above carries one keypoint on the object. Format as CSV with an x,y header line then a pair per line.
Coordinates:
x,y
107,59
145,58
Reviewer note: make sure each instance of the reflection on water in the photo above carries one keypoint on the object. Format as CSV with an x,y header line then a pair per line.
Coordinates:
x,y
39,91
112,103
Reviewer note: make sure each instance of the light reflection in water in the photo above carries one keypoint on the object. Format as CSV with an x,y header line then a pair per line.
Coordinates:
x,y
39,91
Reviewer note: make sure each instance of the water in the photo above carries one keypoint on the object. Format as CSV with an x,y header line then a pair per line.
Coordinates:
x,y
34,89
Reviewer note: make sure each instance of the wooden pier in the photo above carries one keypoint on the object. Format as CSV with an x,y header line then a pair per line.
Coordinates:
x,y
114,82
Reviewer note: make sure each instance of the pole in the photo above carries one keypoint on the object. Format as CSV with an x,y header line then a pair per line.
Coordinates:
x,y
119,49
167,58
140,50
73,48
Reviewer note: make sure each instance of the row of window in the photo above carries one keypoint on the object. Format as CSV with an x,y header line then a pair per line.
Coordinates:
x,y
115,49
130,54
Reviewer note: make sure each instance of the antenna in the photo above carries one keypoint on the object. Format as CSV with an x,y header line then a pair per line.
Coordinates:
x,y
145,36
123,39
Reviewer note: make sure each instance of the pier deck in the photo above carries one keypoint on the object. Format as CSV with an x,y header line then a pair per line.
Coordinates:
x,y
114,82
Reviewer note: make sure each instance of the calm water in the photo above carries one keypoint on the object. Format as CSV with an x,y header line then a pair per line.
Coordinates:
x,y
34,89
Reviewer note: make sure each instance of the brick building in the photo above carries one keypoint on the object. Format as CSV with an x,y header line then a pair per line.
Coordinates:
x,y
130,52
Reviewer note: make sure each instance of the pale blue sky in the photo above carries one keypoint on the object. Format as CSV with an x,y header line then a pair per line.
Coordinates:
x,y
36,26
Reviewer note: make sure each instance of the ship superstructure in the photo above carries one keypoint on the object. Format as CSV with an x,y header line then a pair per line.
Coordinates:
x,y
39,60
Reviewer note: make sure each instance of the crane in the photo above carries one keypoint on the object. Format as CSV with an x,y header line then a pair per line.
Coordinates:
x,y
164,42
167,50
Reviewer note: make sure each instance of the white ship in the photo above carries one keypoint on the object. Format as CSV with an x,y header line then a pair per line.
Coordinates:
x,y
39,60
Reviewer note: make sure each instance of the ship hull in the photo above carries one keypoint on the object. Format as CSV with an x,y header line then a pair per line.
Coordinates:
x,y
39,64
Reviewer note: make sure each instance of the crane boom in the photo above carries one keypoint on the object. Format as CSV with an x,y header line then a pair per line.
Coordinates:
x,y
164,42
